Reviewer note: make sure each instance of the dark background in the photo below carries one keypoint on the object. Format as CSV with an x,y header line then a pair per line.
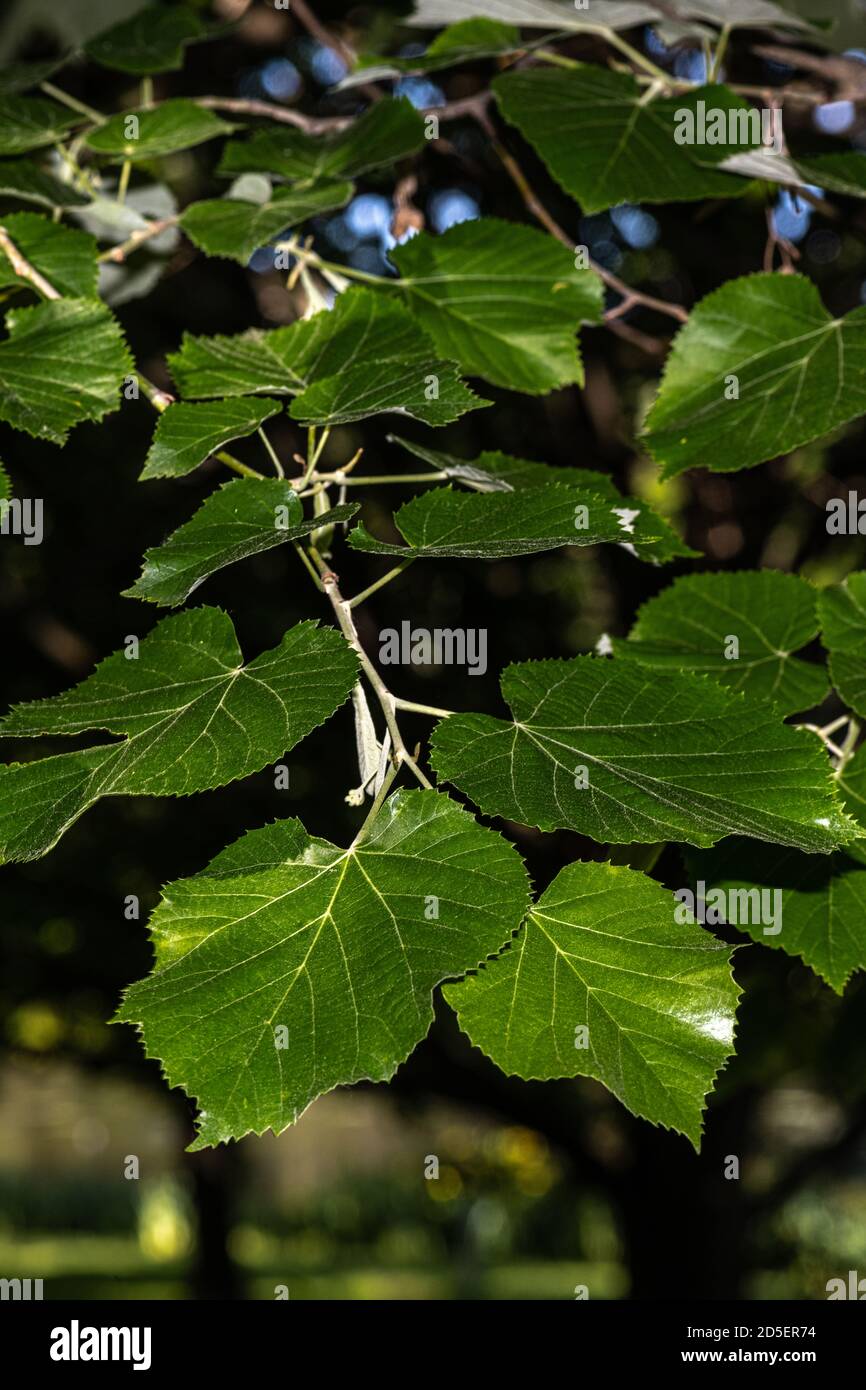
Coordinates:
x,y
542,1186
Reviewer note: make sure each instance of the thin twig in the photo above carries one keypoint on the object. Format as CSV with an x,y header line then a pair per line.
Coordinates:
x,y
119,253
322,125
22,267
343,615
390,774
378,583
72,102
537,208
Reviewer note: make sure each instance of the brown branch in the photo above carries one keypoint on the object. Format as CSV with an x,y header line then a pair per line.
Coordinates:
x,y
250,106
630,295
322,125
119,253
22,267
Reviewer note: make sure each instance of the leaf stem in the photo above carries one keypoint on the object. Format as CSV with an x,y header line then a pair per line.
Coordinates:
x,y
415,708
558,60
310,567
271,451
379,584
235,464
378,800
721,49
614,39
846,752
310,257
120,253
342,481
123,181
343,615
72,102
22,267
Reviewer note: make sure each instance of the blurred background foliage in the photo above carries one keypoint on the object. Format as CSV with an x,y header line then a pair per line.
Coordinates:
x,y
541,1189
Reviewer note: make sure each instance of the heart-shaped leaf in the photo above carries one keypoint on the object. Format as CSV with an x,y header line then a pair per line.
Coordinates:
x,y
290,966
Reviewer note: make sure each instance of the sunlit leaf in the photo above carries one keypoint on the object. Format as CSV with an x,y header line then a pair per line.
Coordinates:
x,y
28,123
20,178
290,966
186,435
626,755
65,257
602,981
742,629
491,525
605,143
193,716
244,517
501,299
173,125
493,471
235,229
387,132
63,362
842,610
759,369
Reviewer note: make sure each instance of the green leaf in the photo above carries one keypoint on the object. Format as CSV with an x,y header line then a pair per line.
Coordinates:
x,y
5,484
422,387
502,300
153,40
626,756
174,125
339,948
235,229
602,981
364,356
243,517
842,610
21,179
689,627
17,77
64,256
63,362
741,14
28,123
362,325
492,525
817,901
852,784
599,16
186,435
799,374
464,42
193,715
386,132
496,472
605,143
835,173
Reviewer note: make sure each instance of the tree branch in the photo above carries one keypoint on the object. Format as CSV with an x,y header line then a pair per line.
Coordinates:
x,y
343,614
22,267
